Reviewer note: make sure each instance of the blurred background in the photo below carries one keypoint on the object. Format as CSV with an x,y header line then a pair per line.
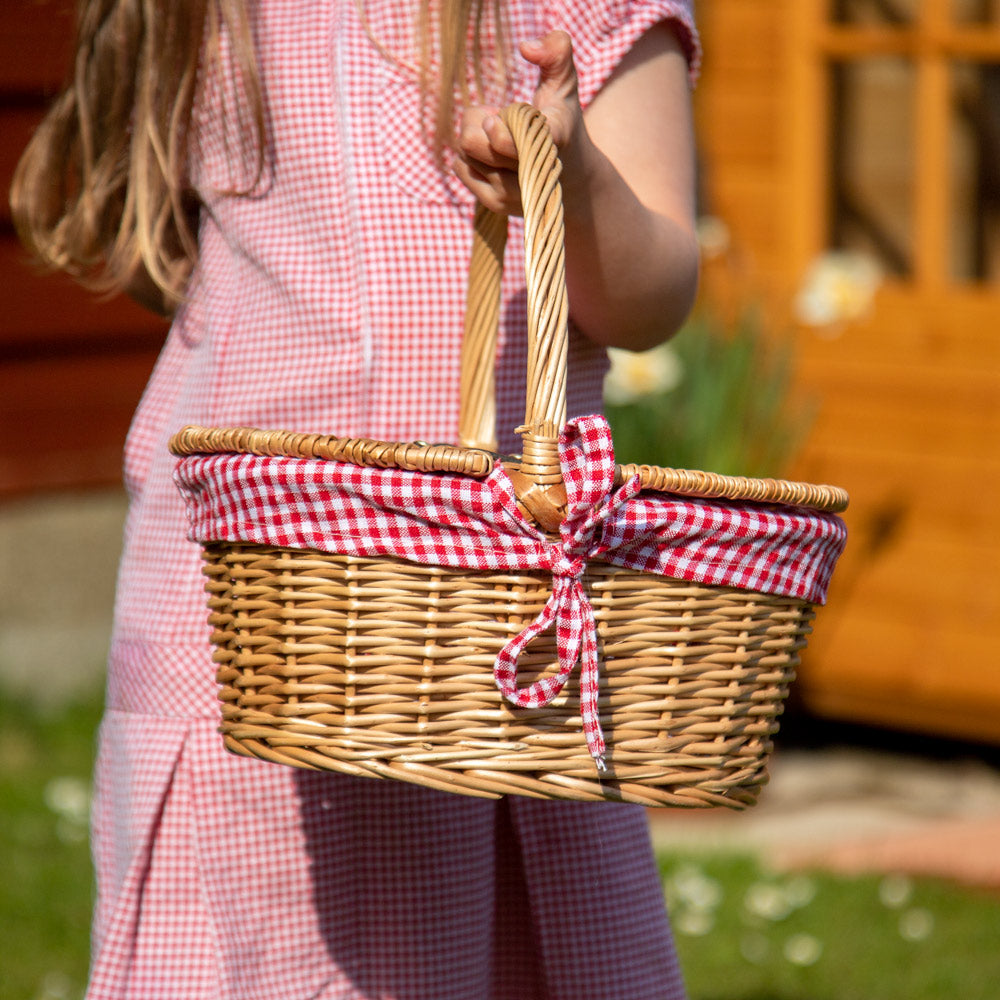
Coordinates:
x,y
847,332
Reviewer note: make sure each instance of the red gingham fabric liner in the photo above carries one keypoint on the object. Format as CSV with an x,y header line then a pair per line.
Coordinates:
x,y
472,523
333,298
459,521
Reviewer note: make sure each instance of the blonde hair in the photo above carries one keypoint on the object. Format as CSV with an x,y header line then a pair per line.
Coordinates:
x,y
460,45
101,191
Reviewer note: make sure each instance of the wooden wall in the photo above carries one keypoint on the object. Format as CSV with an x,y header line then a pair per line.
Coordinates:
x,y
909,422
742,128
908,400
71,368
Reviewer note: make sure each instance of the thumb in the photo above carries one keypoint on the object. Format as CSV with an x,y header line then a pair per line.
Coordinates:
x,y
553,55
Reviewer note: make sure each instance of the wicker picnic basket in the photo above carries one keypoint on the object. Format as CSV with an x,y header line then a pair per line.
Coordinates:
x,y
384,666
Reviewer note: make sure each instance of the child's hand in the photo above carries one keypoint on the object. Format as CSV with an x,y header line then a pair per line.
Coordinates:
x,y
487,160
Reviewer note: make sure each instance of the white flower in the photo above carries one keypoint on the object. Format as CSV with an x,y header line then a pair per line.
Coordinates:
x,y
839,287
690,886
693,897
767,900
895,891
68,798
55,986
634,374
916,924
803,949
713,236
800,891
694,923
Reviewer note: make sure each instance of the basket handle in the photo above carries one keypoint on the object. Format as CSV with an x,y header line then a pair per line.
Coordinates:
x,y
547,306
536,476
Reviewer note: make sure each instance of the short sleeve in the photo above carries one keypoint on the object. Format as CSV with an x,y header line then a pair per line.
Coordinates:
x,y
603,31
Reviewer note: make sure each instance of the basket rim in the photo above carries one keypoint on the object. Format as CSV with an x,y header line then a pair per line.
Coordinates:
x,y
419,456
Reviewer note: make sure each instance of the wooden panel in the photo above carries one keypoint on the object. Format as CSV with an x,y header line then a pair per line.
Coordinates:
x,y
37,43
741,34
934,711
918,410
808,114
736,97
17,122
906,672
72,367
38,308
899,572
953,327
910,415
909,399
852,42
65,418
745,203
752,131
739,109
944,495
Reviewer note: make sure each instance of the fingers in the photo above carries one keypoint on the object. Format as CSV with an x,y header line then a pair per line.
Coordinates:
x,y
487,156
484,137
557,93
487,161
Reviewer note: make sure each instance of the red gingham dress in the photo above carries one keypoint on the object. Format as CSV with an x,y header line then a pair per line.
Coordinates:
x,y
331,300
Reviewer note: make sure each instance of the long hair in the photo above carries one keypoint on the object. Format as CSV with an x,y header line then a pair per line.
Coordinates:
x,y
101,190
458,28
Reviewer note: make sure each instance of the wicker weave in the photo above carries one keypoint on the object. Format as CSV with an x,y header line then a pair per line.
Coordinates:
x,y
384,668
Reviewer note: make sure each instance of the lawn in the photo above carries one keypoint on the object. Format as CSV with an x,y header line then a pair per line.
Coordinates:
x,y
746,934
47,894
742,933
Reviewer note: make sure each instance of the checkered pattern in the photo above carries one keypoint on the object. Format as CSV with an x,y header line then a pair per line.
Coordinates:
x,y
462,522
332,301
588,466
472,523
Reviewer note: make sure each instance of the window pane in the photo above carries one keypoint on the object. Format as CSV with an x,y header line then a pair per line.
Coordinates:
x,y
872,156
976,11
874,11
975,193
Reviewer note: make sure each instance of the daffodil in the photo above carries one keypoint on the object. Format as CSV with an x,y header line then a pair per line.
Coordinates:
x,y
839,287
634,374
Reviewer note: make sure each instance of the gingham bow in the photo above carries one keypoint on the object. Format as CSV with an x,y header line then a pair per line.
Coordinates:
x,y
588,467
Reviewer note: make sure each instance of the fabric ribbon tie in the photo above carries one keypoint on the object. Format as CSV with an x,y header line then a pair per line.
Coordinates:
x,y
588,465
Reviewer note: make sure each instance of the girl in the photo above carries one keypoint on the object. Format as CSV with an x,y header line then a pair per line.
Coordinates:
x,y
295,182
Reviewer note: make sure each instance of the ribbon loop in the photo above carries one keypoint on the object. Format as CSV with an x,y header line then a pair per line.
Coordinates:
x,y
588,465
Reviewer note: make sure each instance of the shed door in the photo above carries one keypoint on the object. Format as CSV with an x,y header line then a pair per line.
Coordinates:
x,y
897,148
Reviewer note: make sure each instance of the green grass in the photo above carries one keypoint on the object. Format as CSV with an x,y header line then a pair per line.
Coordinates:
x,y
742,933
46,896
745,934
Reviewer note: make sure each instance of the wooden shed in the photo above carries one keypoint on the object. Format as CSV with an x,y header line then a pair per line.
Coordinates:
x,y
872,128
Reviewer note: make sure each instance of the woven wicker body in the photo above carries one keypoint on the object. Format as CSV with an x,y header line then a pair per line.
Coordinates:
x,y
385,668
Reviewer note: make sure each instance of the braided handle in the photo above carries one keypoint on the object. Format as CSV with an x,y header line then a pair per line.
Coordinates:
x,y
547,305
537,477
